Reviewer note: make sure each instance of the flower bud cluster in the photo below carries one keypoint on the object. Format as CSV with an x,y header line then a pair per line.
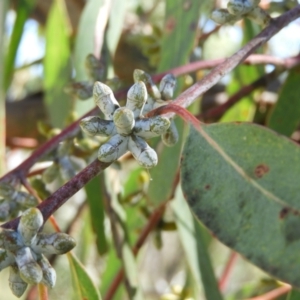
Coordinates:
x,y
158,97
239,9
62,164
24,252
126,127
12,201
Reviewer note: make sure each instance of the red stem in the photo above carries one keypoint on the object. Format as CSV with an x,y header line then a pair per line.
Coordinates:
x,y
227,270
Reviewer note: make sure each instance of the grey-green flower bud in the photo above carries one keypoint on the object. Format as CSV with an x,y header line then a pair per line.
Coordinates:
x,y
239,7
6,190
30,271
151,127
124,120
170,137
50,173
140,75
26,200
49,274
67,169
136,98
96,126
10,240
142,152
16,283
6,259
167,86
115,147
222,16
105,99
56,243
29,225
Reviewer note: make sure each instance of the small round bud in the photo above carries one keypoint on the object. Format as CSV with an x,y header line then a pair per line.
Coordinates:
x,y
83,89
105,99
170,137
239,7
115,147
151,127
67,170
136,98
30,271
6,190
29,225
56,243
140,75
94,67
16,283
124,120
142,152
96,126
49,274
259,16
222,16
167,86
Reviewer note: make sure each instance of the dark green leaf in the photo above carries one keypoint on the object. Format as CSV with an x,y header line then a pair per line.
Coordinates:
x,y
84,287
96,205
242,181
288,104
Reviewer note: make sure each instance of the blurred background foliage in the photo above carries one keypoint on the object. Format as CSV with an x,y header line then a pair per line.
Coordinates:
x,y
43,50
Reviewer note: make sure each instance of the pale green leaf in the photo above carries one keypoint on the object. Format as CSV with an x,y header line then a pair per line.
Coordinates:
x,y
83,285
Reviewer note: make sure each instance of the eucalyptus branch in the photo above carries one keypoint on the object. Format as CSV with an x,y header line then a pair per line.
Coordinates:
x,y
73,128
58,198
196,90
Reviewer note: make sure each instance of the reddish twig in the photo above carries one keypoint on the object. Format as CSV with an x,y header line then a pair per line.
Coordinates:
x,y
227,270
272,295
152,223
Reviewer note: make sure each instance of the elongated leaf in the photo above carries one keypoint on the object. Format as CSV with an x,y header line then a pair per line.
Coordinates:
x,y
192,236
287,105
95,200
242,181
24,8
57,63
84,287
180,22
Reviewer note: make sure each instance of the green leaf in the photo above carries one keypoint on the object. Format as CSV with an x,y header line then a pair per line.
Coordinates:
x,y
180,28
293,295
57,63
194,242
242,182
287,105
96,205
24,8
84,287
